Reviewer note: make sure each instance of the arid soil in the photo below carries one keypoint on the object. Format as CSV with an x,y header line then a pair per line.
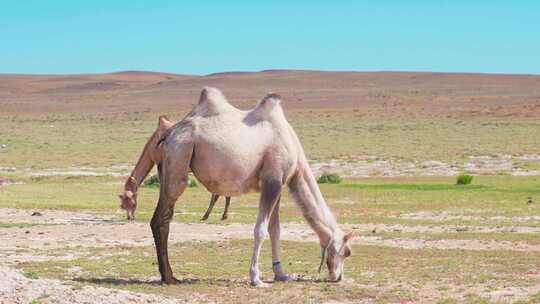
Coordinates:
x,y
15,288
60,229
477,165
55,229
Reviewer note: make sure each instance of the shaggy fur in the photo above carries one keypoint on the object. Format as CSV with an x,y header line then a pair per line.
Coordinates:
x,y
233,152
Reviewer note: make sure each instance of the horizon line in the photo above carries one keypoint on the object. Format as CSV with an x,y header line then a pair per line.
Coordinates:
x,y
266,71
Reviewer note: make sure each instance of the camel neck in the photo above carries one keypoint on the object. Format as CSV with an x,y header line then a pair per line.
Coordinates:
x,y
308,196
142,168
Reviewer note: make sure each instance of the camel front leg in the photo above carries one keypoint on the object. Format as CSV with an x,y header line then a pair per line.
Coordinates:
x,y
174,179
213,201
226,211
271,191
160,230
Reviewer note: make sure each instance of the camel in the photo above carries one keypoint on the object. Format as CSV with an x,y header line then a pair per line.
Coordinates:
x,y
233,152
151,155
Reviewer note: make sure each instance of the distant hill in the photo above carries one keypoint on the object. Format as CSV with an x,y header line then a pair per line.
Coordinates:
x,y
301,89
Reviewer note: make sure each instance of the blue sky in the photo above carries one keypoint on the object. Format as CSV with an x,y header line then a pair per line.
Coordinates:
x,y
202,37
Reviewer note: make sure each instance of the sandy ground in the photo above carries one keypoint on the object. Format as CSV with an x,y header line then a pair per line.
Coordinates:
x,y
54,229
475,165
15,288
445,216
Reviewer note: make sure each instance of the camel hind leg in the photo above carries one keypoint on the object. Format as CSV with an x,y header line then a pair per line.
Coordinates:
x,y
226,211
213,201
174,179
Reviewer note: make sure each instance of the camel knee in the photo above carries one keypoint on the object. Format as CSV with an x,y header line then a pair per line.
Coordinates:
x,y
260,231
160,219
156,225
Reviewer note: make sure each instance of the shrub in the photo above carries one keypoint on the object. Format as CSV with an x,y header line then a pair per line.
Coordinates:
x,y
329,178
153,181
31,275
192,182
464,179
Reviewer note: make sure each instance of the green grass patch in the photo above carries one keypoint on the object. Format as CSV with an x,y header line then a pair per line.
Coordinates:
x,y
360,201
16,225
412,187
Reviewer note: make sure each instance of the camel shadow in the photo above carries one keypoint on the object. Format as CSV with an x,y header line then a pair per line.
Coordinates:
x,y
156,282
116,281
192,281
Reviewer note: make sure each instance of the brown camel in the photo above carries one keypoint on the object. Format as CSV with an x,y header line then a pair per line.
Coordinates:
x,y
233,152
151,155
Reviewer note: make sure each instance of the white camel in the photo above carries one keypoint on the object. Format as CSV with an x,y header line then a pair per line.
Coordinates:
x,y
233,152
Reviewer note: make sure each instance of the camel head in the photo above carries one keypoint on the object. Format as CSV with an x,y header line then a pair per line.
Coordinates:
x,y
335,253
128,202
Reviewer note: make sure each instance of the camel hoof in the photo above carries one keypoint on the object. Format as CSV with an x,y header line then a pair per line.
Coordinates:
x,y
285,278
169,281
224,218
204,218
259,284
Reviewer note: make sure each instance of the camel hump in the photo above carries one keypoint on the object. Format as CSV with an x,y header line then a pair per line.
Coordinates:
x,y
269,106
211,94
271,99
213,102
269,102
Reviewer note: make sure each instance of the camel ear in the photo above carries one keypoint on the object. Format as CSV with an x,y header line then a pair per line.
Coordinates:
x,y
163,121
348,236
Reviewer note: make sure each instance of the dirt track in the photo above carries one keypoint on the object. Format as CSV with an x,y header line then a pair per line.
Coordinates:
x,y
55,229
61,229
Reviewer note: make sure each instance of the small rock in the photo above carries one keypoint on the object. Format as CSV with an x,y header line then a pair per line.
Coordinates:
x,y
462,229
530,200
37,214
27,231
374,230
